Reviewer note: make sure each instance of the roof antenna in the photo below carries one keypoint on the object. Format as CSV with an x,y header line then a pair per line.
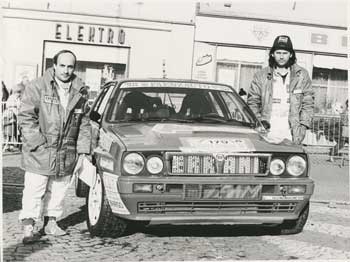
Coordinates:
x,y
164,72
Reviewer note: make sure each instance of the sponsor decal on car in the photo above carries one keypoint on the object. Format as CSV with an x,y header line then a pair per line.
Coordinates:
x,y
297,198
114,199
175,128
175,85
214,144
105,140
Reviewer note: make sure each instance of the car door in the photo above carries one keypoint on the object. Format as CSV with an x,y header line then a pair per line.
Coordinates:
x,y
98,110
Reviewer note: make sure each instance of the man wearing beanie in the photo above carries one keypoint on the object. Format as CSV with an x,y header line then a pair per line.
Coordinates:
x,y
281,95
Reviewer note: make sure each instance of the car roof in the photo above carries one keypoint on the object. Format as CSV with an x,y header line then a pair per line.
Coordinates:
x,y
166,80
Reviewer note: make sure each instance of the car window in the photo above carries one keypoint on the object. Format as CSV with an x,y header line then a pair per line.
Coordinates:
x,y
236,108
178,104
102,99
218,108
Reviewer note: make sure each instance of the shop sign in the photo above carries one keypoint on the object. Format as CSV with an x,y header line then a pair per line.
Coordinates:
x,y
319,38
344,41
203,68
89,34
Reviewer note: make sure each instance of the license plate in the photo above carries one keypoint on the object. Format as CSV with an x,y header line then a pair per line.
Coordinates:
x,y
241,192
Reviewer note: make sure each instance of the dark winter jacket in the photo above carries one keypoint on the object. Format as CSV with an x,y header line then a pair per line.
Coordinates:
x,y
51,137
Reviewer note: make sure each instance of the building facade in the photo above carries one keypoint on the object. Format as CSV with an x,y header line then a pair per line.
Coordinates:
x,y
107,47
214,41
230,46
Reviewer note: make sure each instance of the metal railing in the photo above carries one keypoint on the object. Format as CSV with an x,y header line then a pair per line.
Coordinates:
x,y
328,135
11,140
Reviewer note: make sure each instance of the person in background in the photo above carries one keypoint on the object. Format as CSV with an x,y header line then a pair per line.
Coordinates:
x,y
5,93
24,82
11,133
281,94
345,125
243,94
55,128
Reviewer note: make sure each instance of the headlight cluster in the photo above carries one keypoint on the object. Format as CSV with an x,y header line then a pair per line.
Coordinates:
x,y
295,166
134,163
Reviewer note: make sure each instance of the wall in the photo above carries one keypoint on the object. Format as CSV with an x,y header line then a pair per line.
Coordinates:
x,y
150,42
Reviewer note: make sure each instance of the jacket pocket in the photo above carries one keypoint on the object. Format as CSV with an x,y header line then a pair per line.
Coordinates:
x,y
42,158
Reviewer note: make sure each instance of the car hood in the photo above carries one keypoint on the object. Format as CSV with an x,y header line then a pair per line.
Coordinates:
x,y
195,138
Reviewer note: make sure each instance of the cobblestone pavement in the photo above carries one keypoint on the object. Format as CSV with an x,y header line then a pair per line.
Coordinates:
x,y
326,236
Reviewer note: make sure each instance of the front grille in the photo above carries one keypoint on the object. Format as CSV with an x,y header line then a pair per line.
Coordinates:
x,y
218,164
238,208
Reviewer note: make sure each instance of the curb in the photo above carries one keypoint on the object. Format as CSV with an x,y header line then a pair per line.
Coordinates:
x,y
330,202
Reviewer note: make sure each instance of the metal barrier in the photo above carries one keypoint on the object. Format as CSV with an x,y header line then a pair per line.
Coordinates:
x,y
328,135
11,136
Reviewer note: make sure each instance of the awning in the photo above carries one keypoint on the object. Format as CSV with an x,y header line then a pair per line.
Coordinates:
x,y
331,62
241,54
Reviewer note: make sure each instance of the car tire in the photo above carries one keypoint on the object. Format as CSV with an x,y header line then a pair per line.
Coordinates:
x,y
290,227
81,189
100,219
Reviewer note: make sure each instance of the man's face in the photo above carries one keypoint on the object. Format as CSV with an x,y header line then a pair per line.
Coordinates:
x,y
65,67
281,57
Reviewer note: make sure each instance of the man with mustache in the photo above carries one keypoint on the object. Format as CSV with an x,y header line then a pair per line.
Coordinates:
x,y
55,129
281,95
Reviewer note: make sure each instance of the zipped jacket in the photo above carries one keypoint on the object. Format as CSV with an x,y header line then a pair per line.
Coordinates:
x,y
53,137
301,98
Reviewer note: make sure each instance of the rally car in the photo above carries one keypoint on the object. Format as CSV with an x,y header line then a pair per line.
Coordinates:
x,y
189,152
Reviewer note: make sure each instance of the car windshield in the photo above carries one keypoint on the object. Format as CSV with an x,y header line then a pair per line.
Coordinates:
x,y
172,104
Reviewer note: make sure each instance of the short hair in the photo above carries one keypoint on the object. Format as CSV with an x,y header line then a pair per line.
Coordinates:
x,y
55,58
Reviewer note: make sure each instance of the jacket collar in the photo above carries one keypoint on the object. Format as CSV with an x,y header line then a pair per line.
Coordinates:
x,y
294,71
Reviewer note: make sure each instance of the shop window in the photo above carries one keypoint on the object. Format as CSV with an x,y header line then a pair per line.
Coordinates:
x,y
96,74
236,74
331,89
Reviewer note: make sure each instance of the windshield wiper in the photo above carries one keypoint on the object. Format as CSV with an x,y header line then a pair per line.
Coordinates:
x,y
164,119
241,123
210,117
160,119
128,120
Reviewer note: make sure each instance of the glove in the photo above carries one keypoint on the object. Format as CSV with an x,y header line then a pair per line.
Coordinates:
x,y
266,124
299,134
79,164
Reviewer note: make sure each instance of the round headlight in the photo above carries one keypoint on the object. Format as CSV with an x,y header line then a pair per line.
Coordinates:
x,y
277,167
154,165
133,163
296,165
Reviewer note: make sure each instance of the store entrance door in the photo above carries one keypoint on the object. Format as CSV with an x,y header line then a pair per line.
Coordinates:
x,y
95,65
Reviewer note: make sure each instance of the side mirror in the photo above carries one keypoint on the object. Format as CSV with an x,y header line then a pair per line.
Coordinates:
x,y
94,116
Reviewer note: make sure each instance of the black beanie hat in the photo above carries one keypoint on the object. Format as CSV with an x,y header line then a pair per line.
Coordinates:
x,y
282,42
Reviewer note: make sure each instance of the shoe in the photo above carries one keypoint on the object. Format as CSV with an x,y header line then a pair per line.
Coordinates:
x,y
29,236
53,229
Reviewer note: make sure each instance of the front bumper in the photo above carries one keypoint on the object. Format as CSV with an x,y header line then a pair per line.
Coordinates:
x,y
174,205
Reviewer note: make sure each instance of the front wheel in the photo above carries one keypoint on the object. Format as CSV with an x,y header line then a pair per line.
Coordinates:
x,y
290,227
100,219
